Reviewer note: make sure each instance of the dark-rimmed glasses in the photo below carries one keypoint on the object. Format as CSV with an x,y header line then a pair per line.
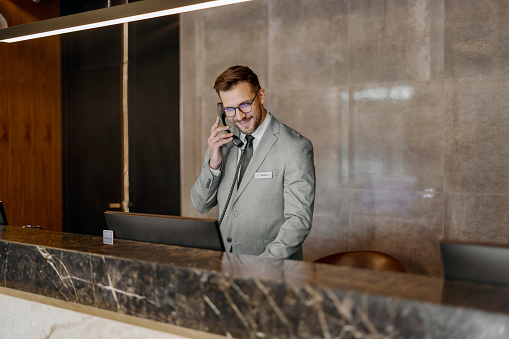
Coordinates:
x,y
244,108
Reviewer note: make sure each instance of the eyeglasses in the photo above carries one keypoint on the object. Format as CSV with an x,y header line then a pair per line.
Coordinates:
x,y
244,108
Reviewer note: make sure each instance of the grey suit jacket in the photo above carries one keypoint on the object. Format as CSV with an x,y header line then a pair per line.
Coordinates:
x,y
269,216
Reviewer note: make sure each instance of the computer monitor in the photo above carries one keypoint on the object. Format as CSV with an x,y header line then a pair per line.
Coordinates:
x,y
164,229
3,217
475,262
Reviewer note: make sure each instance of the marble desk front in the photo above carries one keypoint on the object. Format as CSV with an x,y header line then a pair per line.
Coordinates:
x,y
245,296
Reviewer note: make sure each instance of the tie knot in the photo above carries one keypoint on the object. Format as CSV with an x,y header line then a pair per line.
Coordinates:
x,y
249,138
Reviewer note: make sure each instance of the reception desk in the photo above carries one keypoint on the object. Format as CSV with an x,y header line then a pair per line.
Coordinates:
x,y
225,294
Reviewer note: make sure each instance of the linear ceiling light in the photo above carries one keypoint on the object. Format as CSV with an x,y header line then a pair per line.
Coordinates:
x,y
106,17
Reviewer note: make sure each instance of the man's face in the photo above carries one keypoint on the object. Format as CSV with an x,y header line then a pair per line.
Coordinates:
x,y
242,93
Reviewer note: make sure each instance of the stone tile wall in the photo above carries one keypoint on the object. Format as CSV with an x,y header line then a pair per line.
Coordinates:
x,y
406,103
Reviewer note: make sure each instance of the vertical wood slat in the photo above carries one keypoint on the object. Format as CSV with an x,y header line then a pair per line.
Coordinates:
x,y
125,118
30,122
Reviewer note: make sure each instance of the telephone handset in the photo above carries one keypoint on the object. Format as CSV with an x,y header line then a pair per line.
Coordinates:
x,y
222,117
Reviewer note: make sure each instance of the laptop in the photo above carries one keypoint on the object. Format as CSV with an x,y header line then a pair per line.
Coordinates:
x,y
3,217
164,229
475,262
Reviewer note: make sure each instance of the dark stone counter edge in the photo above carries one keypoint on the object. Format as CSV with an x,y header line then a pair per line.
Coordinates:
x,y
228,304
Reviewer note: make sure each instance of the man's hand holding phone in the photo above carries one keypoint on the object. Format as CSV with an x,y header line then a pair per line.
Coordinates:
x,y
217,138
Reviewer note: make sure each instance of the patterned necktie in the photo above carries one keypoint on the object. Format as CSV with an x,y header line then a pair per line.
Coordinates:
x,y
248,153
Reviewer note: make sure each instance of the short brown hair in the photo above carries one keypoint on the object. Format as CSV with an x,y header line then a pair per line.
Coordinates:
x,y
233,75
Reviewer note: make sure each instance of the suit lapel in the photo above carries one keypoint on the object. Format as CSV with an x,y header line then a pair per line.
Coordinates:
x,y
269,138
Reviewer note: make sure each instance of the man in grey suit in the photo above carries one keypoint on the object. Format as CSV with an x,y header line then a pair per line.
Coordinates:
x,y
269,209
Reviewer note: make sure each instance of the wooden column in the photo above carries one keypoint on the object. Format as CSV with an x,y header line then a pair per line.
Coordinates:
x,y
30,121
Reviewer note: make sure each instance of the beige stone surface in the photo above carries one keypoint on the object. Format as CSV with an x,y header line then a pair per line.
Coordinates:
x,y
405,103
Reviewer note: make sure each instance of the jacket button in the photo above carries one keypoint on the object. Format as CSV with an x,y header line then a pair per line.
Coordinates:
x,y
235,214
229,239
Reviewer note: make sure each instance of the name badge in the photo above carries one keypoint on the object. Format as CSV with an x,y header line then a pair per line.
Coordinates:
x,y
263,175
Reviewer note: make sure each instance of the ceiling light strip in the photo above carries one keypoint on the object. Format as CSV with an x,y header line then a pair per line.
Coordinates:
x,y
107,17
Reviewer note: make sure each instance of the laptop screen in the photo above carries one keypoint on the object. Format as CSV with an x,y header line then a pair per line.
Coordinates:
x,y
3,217
164,229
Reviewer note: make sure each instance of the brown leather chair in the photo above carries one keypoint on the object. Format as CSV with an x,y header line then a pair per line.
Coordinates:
x,y
372,260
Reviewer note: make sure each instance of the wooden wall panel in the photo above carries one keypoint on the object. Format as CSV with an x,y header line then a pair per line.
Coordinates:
x,y
30,121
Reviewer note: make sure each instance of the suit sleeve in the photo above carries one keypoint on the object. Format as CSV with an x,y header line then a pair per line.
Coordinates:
x,y
299,198
204,190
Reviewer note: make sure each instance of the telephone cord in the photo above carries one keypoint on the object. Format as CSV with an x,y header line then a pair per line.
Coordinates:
x,y
233,187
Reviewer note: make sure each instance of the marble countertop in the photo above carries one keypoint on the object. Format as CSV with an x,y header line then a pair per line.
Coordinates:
x,y
245,296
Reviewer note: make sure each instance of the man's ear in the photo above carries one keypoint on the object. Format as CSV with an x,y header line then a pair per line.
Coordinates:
x,y
262,96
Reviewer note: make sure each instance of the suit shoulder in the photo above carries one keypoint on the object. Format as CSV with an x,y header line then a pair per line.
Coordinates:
x,y
295,137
